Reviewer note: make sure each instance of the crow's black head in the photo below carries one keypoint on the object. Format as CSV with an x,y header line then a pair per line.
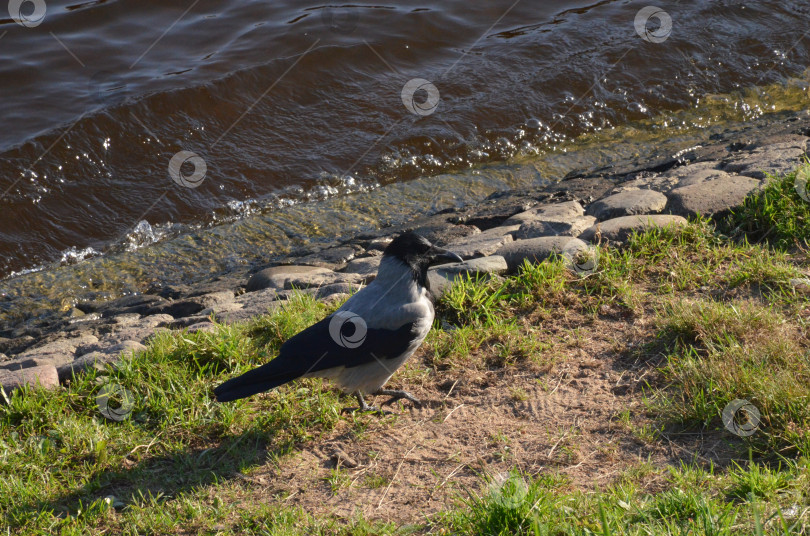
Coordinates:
x,y
418,254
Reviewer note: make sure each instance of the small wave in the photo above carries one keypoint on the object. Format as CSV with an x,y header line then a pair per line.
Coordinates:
x,y
73,255
145,234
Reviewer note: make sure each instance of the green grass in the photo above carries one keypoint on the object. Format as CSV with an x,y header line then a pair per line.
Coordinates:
x,y
718,321
58,452
720,352
780,215
693,501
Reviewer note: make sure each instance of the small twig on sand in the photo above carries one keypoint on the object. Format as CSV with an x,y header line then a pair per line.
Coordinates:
x,y
385,493
451,412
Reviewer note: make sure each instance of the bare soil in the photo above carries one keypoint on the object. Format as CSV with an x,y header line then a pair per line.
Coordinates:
x,y
477,422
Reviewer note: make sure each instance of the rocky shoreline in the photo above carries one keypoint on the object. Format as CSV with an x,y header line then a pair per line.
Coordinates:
x,y
494,236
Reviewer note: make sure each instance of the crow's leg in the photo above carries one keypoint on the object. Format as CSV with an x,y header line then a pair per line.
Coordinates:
x,y
363,406
397,395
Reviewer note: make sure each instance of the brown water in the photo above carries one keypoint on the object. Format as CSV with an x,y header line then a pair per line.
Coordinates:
x,y
286,105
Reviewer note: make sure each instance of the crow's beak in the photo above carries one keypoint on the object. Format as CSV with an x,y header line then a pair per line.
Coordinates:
x,y
439,255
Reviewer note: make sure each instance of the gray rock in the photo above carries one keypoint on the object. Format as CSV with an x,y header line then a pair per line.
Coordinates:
x,y
139,332
628,203
182,323
139,303
556,212
44,376
336,288
321,280
483,244
536,229
17,344
494,210
278,277
92,360
214,299
769,158
253,304
125,347
335,298
696,173
379,244
673,178
619,229
535,250
112,345
364,266
178,308
711,197
57,352
441,277
126,319
201,326
333,258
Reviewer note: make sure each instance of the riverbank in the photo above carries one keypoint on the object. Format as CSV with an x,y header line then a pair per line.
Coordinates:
x,y
651,386
705,179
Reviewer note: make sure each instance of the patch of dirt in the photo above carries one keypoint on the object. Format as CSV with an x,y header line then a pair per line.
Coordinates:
x,y
478,423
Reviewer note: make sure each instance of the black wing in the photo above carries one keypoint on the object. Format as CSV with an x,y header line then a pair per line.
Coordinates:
x,y
341,339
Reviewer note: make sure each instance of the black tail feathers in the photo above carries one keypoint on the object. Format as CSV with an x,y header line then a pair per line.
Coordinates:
x,y
254,381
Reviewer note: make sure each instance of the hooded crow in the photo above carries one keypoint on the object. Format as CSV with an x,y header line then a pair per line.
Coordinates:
x,y
362,344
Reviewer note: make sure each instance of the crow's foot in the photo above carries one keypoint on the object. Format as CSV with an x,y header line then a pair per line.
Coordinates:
x,y
397,395
364,407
